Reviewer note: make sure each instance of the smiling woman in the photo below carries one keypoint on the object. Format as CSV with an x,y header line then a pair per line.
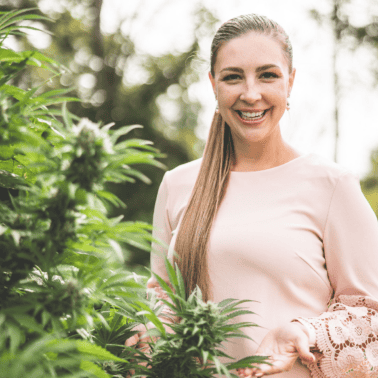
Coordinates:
x,y
255,219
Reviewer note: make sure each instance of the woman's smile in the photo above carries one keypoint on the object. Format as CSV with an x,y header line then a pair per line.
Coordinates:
x,y
252,117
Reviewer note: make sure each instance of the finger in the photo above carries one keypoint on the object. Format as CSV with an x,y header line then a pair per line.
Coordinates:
x,y
144,337
250,372
257,373
303,349
133,340
145,348
318,356
245,372
242,373
276,366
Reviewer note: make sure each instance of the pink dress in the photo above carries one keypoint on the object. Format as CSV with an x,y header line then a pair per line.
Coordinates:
x,y
291,238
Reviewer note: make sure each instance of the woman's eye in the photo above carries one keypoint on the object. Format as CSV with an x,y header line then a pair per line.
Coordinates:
x,y
231,77
269,75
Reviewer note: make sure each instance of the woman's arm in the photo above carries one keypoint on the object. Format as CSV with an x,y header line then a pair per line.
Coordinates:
x,y
162,231
347,334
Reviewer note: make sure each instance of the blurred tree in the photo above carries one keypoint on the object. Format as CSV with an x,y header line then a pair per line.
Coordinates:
x,y
98,69
347,36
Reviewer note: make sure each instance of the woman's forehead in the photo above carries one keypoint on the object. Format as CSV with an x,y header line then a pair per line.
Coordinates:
x,y
252,50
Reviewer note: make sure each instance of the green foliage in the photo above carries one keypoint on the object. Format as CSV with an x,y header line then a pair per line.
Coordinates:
x,y
61,260
369,184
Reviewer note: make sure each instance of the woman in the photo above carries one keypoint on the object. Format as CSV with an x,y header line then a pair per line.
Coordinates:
x,y
256,219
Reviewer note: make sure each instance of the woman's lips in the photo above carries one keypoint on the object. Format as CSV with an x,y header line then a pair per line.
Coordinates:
x,y
251,121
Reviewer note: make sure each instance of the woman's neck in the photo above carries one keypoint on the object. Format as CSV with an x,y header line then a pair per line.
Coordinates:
x,y
263,159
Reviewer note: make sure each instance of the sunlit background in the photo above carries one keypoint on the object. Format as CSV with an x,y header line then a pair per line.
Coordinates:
x,y
165,26
146,62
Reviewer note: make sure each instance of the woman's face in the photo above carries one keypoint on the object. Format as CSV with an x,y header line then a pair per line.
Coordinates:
x,y
251,83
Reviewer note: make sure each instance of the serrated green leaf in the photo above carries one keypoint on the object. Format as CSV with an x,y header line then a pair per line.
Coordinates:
x,y
138,175
38,102
150,315
248,362
16,92
7,55
27,322
94,369
117,279
164,285
205,356
172,275
55,92
112,198
238,313
180,283
16,336
96,352
226,302
123,131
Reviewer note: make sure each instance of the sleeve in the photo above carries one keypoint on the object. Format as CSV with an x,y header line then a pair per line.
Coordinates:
x,y
347,334
162,231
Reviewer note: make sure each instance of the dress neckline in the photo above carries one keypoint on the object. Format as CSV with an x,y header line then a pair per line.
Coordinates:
x,y
273,169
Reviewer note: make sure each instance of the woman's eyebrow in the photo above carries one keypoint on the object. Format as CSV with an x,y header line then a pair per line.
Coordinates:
x,y
266,67
234,69
258,69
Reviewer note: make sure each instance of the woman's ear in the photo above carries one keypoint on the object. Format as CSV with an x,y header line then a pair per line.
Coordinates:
x,y
291,80
212,80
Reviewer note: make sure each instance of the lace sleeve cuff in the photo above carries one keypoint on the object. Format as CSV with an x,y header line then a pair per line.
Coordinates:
x,y
347,337
310,329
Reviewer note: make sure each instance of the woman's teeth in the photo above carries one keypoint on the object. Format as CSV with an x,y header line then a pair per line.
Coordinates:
x,y
249,116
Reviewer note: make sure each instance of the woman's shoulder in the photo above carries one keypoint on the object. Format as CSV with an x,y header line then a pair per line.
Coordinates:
x,y
184,174
179,184
320,167
318,177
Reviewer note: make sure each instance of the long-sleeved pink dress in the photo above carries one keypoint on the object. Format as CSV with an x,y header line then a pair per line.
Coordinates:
x,y
292,238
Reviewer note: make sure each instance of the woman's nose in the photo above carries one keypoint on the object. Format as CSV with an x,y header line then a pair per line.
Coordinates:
x,y
251,93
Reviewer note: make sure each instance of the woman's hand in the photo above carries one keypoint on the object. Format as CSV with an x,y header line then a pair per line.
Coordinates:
x,y
141,341
283,345
136,341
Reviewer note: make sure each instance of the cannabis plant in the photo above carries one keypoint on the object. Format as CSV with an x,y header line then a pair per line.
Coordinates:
x,y
195,346
61,258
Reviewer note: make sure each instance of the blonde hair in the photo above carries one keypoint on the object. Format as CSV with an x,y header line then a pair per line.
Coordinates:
x,y
210,187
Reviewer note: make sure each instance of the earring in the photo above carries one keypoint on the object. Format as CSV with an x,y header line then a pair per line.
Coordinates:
x,y
288,105
216,106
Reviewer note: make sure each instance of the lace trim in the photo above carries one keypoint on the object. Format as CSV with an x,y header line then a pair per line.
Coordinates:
x,y
347,336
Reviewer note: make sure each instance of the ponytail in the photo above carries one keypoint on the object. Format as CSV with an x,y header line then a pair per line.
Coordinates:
x,y
209,189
